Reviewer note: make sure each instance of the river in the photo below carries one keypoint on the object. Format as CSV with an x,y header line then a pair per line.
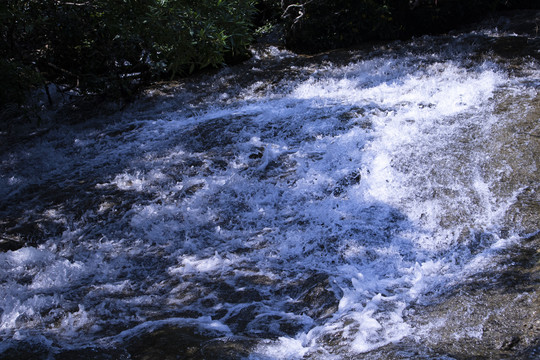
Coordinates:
x,y
370,203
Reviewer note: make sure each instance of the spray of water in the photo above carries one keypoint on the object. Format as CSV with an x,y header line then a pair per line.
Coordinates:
x,y
309,209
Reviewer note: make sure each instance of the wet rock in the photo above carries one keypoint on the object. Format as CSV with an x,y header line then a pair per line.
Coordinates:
x,y
313,297
232,295
187,343
291,328
508,47
494,315
526,209
509,343
220,164
240,320
92,354
25,350
273,326
257,154
7,244
168,342
406,350
212,134
191,190
520,148
24,233
255,320
227,348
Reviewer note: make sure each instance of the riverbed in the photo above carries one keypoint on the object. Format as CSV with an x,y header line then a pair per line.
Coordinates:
x,y
371,203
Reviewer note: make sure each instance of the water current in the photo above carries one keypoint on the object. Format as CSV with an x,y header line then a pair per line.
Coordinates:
x,y
291,207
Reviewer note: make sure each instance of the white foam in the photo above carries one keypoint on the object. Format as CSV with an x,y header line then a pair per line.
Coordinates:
x,y
369,174
191,264
283,348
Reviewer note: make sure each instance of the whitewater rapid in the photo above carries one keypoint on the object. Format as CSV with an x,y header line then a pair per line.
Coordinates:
x,y
309,206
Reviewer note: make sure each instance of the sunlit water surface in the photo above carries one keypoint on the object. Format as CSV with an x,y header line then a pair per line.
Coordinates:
x,y
305,203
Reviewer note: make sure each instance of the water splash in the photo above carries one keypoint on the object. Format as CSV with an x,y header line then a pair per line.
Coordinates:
x,y
308,209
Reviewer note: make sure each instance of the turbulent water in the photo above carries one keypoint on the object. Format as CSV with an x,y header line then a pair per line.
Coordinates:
x,y
290,207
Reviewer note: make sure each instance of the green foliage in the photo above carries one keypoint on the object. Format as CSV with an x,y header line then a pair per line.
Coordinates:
x,y
112,45
206,32
16,78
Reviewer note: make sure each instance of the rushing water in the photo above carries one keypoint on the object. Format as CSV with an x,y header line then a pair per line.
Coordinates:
x,y
294,207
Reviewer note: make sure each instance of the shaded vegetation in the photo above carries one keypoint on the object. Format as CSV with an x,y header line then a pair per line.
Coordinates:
x,y
114,46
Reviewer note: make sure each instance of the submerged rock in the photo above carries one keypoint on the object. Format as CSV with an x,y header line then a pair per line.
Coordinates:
x,y
167,343
493,315
314,297
303,203
189,343
7,244
25,350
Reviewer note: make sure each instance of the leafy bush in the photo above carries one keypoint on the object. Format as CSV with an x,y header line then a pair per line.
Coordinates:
x,y
111,45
